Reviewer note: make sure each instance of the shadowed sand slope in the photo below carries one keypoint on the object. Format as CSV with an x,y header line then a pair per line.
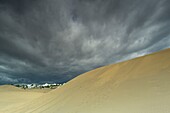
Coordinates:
x,y
9,88
141,85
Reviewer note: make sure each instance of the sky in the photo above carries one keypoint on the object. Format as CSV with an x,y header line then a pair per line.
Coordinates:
x,y
56,40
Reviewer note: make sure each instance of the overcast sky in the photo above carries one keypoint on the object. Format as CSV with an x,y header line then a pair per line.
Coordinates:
x,y
56,40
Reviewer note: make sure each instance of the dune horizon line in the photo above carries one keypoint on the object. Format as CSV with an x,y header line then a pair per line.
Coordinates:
x,y
139,85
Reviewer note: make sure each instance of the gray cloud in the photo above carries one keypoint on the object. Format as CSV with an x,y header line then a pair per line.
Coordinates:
x,y
55,40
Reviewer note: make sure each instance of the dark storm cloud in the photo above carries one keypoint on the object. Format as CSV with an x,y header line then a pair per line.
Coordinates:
x,y
55,40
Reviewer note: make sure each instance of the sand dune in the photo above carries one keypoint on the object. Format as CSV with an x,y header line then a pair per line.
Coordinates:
x,y
9,88
140,85
11,96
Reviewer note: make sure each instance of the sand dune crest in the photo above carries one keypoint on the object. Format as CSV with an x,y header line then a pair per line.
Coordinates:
x,y
140,85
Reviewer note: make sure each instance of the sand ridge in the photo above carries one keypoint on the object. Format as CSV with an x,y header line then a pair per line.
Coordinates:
x,y
140,85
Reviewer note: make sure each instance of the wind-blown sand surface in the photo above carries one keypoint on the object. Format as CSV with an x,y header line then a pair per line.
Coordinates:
x,y
141,85
11,96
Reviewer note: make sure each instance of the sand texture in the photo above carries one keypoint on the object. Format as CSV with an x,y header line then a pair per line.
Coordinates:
x,y
12,97
140,85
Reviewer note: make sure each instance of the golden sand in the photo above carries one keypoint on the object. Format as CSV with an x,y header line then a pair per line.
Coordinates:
x,y
140,85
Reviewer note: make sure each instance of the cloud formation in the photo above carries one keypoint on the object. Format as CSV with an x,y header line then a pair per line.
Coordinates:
x,y
55,40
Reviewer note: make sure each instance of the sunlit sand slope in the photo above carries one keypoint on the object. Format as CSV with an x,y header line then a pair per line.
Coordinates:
x,y
141,85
